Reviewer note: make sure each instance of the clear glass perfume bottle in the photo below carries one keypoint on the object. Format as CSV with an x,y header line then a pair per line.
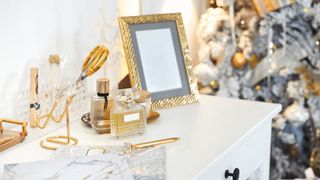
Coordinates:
x,y
101,105
127,117
141,97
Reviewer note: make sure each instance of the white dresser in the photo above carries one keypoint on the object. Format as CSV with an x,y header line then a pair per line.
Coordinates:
x,y
217,135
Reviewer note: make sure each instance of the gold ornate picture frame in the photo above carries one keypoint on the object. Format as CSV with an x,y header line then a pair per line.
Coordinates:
x,y
158,58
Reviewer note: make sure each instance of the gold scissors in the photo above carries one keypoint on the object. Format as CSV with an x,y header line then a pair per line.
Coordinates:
x,y
94,61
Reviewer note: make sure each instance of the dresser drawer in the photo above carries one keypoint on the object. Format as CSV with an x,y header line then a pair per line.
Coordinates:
x,y
250,153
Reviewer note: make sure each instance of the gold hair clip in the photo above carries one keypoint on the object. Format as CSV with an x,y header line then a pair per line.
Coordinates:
x,y
94,61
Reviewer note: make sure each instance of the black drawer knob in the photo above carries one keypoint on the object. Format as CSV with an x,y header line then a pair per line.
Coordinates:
x,y
235,175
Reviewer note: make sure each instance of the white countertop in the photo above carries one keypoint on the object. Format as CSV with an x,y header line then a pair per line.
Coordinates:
x,y
207,129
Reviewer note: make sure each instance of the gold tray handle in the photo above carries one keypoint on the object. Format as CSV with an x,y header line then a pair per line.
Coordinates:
x,y
22,123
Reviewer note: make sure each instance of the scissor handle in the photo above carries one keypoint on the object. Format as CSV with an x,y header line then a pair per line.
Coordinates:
x,y
95,60
22,123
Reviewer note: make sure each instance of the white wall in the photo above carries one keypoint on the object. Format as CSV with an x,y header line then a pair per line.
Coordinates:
x,y
31,30
190,10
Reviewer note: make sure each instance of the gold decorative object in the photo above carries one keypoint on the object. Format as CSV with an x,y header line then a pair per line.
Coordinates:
x,y
50,115
62,140
131,56
94,61
92,64
238,60
10,138
214,84
54,59
34,90
253,61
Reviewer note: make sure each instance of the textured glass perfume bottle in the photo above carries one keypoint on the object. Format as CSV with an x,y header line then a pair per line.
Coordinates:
x,y
141,97
127,117
101,105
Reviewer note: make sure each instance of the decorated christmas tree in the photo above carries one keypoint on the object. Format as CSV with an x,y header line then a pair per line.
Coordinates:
x,y
269,50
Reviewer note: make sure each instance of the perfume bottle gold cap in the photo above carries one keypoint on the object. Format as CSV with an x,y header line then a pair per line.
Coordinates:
x,y
103,86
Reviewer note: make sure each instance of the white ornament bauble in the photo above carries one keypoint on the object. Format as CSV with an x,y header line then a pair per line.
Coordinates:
x,y
296,113
279,122
295,89
216,50
206,73
204,53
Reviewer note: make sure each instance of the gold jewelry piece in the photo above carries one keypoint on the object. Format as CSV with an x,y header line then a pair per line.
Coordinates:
x,y
153,115
94,61
54,59
50,115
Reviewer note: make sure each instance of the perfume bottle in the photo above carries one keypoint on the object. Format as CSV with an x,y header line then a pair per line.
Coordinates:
x,y
141,97
127,117
101,105
144,99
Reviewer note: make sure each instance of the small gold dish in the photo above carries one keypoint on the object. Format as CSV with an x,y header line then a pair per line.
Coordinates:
x,y
10,138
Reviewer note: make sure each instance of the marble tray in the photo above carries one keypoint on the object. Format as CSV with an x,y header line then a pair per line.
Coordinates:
x,y
108,166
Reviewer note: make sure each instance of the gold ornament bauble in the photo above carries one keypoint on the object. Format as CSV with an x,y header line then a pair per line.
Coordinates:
x,y
258,87
253,61
214,85
238,60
